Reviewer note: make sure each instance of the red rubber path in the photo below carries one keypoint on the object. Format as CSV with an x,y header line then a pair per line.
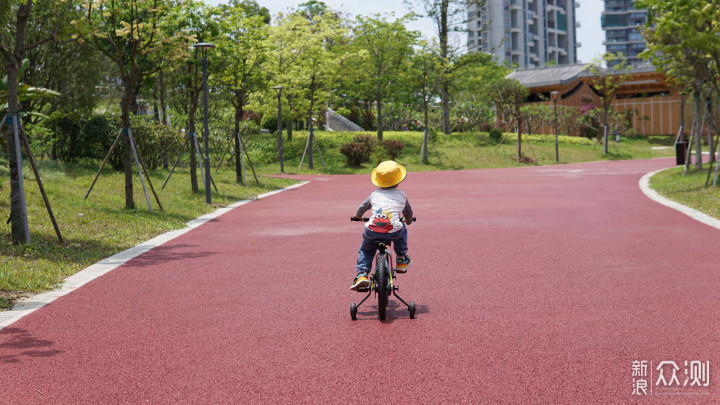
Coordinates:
x,y
532,285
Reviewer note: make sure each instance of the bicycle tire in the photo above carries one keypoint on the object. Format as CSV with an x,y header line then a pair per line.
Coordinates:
x,y
382,285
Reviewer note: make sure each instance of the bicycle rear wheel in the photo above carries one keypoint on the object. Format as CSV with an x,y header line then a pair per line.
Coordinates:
x,y
382,285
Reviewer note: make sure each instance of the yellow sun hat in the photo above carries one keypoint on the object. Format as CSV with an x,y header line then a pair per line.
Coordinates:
x,y
388,174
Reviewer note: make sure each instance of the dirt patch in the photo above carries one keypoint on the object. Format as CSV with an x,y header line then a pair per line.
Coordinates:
x,y
7,299
527,160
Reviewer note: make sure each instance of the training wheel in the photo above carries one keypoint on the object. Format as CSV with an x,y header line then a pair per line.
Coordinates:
x,y
411,308
353,311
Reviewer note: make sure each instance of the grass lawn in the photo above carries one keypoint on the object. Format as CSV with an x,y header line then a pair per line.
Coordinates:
x,y
457,151
689,189
100,226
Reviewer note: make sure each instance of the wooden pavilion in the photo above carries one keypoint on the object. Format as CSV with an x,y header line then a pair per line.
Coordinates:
x,y
656,105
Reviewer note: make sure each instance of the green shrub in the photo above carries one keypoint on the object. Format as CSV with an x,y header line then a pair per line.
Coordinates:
x,y
67,127
99,132
76,135
379,155
157,143
270,123
495,135
41,140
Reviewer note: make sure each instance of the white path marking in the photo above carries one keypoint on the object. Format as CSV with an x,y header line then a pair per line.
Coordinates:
x,y
692,213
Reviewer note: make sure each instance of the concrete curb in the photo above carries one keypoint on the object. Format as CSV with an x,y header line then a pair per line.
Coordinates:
x,y
28,305
655,196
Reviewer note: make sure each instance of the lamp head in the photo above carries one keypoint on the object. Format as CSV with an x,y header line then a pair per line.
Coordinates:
x,y
554,95
204,45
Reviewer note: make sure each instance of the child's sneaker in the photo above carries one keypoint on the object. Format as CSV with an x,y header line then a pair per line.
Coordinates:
x,y
402,263
361,281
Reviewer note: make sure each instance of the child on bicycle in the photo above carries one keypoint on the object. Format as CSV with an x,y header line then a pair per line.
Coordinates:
x,y
386,203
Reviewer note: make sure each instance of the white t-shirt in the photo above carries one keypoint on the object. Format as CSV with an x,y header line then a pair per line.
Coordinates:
x,y
388,205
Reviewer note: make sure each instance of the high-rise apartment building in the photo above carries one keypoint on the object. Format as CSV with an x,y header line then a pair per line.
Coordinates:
x,y
621,22
525,33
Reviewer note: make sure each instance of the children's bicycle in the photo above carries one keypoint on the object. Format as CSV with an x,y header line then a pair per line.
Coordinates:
x,y
382,281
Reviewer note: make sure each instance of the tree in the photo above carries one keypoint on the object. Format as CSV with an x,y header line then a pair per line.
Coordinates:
x,y
287,47
426,78
195,22
317,67
13,47
683,40
128,33
448,15
473,76
243,50
386,48
606,82
56,64
509,96
25,92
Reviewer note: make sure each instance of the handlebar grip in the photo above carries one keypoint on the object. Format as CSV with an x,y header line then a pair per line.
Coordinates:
x,y
358,219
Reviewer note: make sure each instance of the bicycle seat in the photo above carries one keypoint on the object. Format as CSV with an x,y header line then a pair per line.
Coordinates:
x,y
383,241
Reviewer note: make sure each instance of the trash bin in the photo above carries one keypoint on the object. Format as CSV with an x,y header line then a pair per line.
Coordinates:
x,y
680,152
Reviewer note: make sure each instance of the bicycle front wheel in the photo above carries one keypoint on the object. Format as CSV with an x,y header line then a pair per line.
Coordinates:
x,y
382,285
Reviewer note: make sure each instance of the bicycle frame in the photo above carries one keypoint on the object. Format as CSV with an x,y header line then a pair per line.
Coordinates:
x,y
382,254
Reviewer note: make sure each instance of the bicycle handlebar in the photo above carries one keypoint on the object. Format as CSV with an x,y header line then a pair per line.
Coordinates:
x,y
367,219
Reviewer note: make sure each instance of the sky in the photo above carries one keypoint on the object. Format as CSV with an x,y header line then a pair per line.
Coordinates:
x,y
590,34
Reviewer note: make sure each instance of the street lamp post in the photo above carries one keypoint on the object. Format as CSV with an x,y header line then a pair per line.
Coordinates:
x,y
555,95
204,46
278,89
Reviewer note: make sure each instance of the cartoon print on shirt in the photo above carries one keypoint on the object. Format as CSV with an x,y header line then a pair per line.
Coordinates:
x,y
382,221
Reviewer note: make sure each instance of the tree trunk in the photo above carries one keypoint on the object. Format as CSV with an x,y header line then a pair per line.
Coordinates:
x,y
18,207
163,107
193,149
291,121
698,136
134,106
238,156
163,115
380,122
519,135
425,136
13,58
310,139
711,146
444,83
606,128
125,105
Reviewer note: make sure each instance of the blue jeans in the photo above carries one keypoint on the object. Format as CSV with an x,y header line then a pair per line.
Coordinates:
x,y
369,247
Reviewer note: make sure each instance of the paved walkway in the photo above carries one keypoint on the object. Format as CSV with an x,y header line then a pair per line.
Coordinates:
x,y
533,285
